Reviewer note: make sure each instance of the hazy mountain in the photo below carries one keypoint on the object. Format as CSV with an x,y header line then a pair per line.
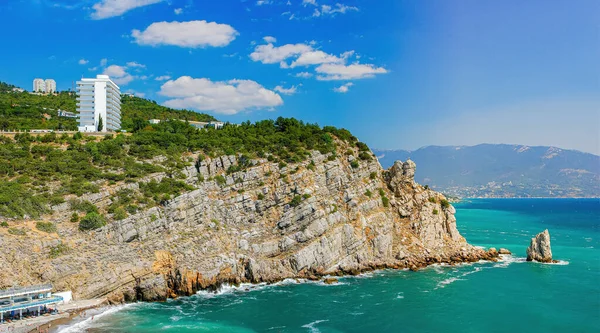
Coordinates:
x,y
498,170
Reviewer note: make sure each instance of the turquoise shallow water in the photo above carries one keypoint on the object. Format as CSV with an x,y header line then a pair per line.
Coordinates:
x,y
510,296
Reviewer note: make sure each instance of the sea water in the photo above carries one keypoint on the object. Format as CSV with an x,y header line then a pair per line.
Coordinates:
x,y
508,296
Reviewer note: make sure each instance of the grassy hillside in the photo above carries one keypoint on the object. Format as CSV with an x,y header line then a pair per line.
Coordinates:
x,y
39,171
24,111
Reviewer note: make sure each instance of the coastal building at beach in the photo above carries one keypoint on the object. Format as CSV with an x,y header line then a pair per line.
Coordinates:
x,y
98,104
18,303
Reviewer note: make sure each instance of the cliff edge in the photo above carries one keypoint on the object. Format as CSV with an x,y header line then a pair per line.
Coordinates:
x,y
329,215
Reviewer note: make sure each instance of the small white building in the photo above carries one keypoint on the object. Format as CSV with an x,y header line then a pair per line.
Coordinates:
x,y
98,104
154,121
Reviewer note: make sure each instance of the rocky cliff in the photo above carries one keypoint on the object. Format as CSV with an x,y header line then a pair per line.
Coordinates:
x,y
328,215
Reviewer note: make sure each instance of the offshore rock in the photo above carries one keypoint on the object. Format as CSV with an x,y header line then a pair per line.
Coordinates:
x,y
504,251
539,248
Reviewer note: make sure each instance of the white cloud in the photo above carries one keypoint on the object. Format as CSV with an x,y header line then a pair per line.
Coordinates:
x,y
339,8
118,74
103,62
316,58
348,72
263,2
186,34
163,78
343,88
135,64
83,61
178,11
316,13
309,2
270,39
225,97
269,54
304,75
93,69
115,70
111,8
286,91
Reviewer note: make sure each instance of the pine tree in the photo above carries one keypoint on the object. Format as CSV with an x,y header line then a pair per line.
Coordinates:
x,y
100,124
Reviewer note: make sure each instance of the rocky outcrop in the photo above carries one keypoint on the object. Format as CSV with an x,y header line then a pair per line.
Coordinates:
x,y
539,248
324,216
504,251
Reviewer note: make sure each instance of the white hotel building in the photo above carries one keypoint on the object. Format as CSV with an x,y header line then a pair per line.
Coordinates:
x,y
98,98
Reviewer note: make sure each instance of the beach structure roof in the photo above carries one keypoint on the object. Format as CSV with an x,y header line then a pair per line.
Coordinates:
x,y
19,291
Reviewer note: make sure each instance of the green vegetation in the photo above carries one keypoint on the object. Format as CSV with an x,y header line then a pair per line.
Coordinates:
x,y
137,111
445,204
368,193
120,214
37,171
220,180
92,221
18,201
4,224
48,227
260,196
153,218
306,196
354,164
296,201
435,211
373,175
365,156
83,206
385,201
58,250
432,200
25,111
75,217
17,231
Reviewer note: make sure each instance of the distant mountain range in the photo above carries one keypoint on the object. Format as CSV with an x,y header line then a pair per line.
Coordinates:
x,y
499,170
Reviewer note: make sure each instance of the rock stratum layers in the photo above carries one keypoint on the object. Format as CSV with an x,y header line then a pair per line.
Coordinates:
x,y
325,216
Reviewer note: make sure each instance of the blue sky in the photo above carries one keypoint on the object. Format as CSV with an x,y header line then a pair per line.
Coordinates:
x,y
398,74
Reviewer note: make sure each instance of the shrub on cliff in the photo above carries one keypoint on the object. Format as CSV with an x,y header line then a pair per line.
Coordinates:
x,y
83,206
385,201
296,201
92,221
220,180
445,203
120,214
48,227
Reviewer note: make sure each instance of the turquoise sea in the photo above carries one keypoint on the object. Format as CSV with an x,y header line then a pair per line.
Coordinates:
x,y
509,296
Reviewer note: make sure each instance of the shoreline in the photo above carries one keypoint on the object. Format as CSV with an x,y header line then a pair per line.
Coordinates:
x,y
414,264
68,312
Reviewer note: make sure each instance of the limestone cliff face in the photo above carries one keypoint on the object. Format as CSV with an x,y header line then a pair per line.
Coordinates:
x,y
265,224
